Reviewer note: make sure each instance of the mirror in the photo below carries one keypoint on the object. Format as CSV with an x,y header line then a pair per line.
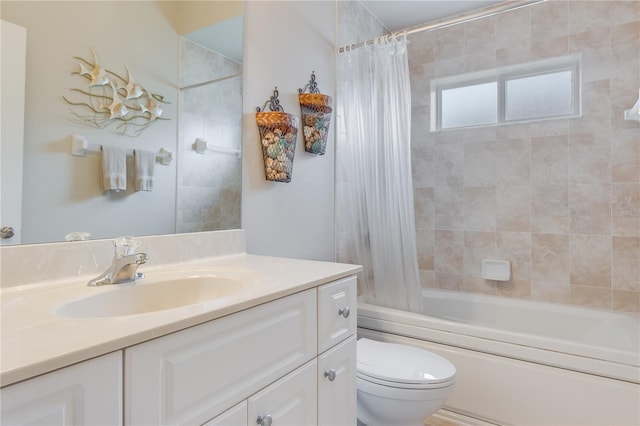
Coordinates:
x,y
187,51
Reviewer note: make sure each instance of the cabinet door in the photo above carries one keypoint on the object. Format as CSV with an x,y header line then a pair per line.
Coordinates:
x,y
337,304
88,393
337,385
291,401
234,416
195,374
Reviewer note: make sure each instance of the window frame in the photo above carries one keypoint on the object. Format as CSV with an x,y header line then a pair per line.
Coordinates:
x,y
501,76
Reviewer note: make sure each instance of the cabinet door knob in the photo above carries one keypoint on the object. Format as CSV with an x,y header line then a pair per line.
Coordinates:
x,y
344,311
264,420
330,374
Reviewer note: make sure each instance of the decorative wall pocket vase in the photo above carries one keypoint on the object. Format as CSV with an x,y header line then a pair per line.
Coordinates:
x,y
278,132
316,116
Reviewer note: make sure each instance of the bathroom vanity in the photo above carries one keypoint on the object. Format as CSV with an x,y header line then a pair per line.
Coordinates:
x,y
279,349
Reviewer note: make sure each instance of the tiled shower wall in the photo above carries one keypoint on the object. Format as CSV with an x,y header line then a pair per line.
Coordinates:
x,y
558,198
209,184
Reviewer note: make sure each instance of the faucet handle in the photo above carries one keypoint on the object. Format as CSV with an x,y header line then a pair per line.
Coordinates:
x,y
126,245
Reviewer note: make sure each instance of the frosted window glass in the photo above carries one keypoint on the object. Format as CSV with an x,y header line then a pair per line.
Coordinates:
x,y
470,105
542,95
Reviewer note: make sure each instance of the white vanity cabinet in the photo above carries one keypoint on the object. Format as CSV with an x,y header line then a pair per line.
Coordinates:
x,y
190,376
337,304
87,393
337,385
287,362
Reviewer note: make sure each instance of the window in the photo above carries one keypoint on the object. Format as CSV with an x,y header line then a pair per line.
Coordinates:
x,y
531,91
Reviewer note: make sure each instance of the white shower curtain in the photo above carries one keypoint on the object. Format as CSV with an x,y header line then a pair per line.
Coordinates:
x,y
374,168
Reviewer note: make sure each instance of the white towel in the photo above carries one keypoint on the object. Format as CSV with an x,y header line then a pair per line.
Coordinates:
x,y
144,162
113,168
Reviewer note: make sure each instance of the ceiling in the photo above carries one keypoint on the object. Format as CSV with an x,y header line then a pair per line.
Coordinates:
x,y
399,14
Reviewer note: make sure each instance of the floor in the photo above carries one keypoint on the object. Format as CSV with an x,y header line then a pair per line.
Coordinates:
x,y
449,418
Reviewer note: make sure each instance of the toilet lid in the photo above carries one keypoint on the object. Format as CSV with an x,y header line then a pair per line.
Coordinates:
x,y
401,363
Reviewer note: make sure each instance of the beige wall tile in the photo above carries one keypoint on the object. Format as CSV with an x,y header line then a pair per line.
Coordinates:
x,y
480,35
625,263
589,207
425,245
427,279
449,42
482,60
592,297
477,246
422,48
551,292
550,48
589,159
550,20
587,15
424,202
626,301
547,195
591,260
480,286
513,161
516,248
625,155
550,160
596,104
454,282
550,209
625,209
480,208
513,208
515,289
513,30
550,258
449,251
447,67
449,164
621,11
479,163
448,201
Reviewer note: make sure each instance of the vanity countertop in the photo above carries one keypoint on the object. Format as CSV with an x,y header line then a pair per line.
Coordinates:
x,y
36,339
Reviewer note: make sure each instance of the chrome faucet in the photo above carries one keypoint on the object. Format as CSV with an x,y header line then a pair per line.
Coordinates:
x,y
124,267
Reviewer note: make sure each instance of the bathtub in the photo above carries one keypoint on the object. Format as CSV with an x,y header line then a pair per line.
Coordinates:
x,y
522,362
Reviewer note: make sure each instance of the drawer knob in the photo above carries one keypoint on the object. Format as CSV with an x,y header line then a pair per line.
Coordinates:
x,y
344,312
330,374
264,420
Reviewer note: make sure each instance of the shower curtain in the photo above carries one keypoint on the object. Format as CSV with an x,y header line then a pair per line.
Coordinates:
x,y
374,171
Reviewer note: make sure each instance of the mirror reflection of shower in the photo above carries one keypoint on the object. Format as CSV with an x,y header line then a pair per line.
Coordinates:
x,y
209,184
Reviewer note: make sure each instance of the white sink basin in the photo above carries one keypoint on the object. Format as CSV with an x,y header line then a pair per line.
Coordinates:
x,y
144,297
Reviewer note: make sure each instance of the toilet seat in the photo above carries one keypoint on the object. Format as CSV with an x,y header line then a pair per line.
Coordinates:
x,y
402,366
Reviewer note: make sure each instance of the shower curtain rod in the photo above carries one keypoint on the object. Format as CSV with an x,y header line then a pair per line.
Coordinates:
x,y
458,19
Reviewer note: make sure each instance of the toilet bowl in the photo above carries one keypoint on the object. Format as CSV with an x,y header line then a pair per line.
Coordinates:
x,y
400,384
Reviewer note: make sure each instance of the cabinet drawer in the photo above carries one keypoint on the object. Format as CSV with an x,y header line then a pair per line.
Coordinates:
x,y
337,385
88,393
193,375
291,401
234,416
337,304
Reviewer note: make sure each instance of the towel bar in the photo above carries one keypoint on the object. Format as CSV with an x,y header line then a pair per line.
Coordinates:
x,y
201,146
80,147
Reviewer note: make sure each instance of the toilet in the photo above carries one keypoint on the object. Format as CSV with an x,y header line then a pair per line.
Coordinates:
x,y
400,384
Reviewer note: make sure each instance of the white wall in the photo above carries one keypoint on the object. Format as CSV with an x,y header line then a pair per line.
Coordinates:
x,y
284,42
61,192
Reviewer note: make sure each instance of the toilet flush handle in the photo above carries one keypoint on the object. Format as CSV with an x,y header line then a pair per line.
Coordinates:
x,y
344,311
